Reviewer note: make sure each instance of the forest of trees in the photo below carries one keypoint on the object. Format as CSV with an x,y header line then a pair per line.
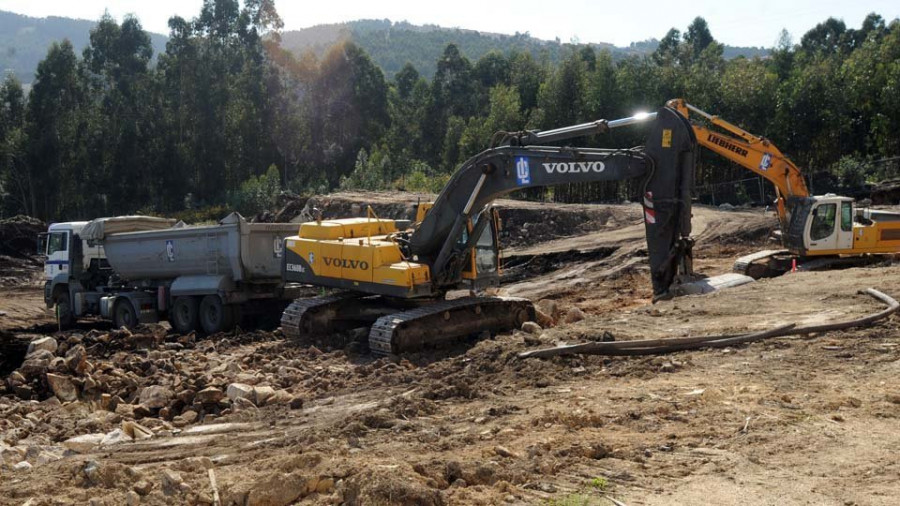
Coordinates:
x,y
226,118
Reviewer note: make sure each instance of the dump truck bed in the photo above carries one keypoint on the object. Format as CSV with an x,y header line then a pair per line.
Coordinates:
x,y
233,248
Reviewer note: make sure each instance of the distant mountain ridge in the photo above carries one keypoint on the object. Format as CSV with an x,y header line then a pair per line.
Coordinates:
x,y
392,44
24,42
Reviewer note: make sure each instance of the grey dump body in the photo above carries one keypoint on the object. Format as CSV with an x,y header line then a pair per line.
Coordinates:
x,y
235,249
665,164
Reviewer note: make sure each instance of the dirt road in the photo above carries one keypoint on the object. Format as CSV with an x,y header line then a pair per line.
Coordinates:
x,y
803,420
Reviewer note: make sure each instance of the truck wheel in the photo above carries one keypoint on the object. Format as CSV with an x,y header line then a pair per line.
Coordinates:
x,y
184,315
215,316
124,315
64,310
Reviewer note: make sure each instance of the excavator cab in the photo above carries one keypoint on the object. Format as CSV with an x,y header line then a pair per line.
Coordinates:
x,y
822,225
483,268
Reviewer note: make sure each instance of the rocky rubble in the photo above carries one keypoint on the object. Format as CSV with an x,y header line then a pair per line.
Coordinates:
x,y
76,392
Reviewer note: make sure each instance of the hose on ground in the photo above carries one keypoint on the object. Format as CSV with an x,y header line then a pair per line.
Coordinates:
x,y
669,345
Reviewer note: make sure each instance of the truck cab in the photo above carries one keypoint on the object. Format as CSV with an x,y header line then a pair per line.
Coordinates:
x,y
66,257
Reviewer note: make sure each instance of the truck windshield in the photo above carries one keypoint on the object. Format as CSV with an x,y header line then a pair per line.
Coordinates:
x,y
58,242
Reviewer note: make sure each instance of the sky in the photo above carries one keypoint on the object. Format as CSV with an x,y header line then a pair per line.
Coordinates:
x,y
748,23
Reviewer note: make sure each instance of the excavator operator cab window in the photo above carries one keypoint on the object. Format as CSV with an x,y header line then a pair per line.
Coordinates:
x,y
823,222
846,216
484,262
485,253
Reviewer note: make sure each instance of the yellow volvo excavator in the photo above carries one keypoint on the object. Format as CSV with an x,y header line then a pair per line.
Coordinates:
x,y
392,277
818,232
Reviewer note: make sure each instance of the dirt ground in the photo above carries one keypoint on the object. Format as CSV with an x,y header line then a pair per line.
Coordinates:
x,y
799,420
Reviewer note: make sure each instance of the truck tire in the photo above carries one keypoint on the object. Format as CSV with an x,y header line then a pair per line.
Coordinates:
x,y
215,316
185,315
64,310
124,314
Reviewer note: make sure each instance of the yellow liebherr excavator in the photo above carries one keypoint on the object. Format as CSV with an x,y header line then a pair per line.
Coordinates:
x,y
391,277
818,232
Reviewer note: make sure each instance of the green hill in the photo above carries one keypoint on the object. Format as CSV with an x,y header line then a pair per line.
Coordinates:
x,y
24,40
392,44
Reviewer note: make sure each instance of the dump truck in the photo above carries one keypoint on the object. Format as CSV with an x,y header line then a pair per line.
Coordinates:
x,y
140,269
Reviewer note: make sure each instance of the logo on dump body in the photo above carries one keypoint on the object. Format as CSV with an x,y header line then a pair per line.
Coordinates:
x,y
170,250
523,171
277,247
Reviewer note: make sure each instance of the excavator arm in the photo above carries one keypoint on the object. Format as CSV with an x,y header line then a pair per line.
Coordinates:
x,y
754,153
666,163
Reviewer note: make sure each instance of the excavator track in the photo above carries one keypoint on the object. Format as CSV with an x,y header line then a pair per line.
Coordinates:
x,y
446,321
772,263
757,265
298,320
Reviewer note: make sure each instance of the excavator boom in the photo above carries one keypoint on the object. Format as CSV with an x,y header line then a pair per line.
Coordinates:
x,y
754,153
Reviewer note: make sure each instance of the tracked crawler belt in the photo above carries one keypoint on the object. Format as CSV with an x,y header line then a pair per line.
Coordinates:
x,y
771,263
446,321
314,316
756,265
427,326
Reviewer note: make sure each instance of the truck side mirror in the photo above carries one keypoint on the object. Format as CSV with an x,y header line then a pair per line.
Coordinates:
x,y
42,244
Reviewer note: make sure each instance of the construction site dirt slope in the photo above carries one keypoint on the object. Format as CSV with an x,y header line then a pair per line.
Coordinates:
x,y
103,416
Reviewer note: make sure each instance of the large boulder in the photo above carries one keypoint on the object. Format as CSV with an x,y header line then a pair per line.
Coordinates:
x,y
262,394
84,443
240,391
62,387
532,328
575,315
76,359
210,395
277,490
43,343
156,396
542,318
549,307
35,367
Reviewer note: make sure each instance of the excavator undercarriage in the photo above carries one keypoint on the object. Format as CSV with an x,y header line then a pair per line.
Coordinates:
x,y
774,263
388,328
